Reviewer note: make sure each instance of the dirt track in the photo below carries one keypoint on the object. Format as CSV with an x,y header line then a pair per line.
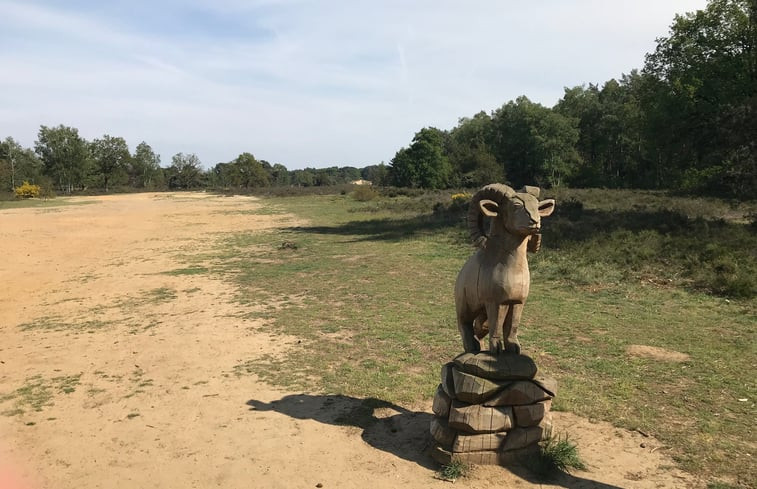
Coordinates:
x,y
115,374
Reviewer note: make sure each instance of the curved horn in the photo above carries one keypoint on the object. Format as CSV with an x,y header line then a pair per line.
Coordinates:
x,y
528,189
498,193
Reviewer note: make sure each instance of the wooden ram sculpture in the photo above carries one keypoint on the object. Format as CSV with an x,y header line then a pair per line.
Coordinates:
x,y
493,284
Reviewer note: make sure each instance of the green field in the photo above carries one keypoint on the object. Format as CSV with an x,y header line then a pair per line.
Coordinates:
x,y
367,287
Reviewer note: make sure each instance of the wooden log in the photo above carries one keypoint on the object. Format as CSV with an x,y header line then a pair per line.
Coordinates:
x,y
448,381
442,433
472,389
476,418
523,437
496,367
530,415
477,443
489,457
547,383
518,393
442,403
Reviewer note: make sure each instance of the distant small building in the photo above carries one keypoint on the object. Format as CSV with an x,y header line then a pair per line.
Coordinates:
x,y
361,182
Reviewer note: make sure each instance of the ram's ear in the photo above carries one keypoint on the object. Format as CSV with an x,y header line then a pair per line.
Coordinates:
x,y
489,208
546,207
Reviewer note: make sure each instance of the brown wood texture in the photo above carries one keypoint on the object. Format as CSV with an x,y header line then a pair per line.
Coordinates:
x,y
488,457
448,381
443,434
476,418
530,415
496,367
477,443
518,393
472,389
523,437
549,384
442,403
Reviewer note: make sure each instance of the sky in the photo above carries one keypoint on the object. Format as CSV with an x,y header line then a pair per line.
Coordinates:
x,y
302,82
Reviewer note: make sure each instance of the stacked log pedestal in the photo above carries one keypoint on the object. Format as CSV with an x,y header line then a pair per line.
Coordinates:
x,y
490,409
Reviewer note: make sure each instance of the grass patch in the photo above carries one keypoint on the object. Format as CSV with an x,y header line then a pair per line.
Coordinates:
x,y
454,470
58,323
160,294
38,393
556,455
368,291
187,271
42,203
154,296
721,485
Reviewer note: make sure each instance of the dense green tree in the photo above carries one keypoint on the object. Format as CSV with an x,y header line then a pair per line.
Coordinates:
x,y
185,171
279,175
223,175
703,81
424,164
303,178
609,142
535,143
144,169
470,154
249,172
324,177
349,174
376,174
110,156
64,155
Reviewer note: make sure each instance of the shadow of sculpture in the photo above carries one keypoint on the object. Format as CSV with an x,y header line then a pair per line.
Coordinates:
x,y
386,426
561,479
392,429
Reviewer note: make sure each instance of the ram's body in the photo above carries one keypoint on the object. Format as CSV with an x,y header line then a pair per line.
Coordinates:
x,y
494,283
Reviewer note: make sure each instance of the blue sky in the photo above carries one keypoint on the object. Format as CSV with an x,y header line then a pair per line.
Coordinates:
x,y
301,82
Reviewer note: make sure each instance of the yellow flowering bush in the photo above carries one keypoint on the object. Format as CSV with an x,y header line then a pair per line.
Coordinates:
x,y
27,191
460,198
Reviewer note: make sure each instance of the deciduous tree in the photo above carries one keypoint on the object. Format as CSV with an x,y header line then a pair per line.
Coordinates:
x,y
185,171
111,157
144,170
424,164
64,155
535,143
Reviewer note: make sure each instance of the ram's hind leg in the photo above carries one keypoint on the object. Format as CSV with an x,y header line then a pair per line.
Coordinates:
x,y
470,342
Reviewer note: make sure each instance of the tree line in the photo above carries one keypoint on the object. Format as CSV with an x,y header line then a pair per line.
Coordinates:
x,y
686,121
63,161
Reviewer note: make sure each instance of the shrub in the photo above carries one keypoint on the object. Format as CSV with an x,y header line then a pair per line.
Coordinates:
x,y
364,193
571,208
27,191
461,198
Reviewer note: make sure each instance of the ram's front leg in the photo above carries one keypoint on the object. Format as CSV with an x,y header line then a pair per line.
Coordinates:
x,y
510,328
496,316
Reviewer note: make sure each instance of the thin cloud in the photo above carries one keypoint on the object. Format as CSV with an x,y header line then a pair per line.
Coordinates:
x,y
302,82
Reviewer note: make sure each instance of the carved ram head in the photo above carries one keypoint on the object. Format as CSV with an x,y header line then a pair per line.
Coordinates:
x,y
518,213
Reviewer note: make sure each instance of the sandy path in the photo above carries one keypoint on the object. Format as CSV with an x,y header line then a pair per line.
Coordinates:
x,y
114,374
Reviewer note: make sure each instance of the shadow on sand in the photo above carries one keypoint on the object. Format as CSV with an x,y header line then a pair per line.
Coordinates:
x,y
390,428
385,425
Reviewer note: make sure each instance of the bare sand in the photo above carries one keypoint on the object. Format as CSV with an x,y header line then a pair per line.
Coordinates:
x,y
114,374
